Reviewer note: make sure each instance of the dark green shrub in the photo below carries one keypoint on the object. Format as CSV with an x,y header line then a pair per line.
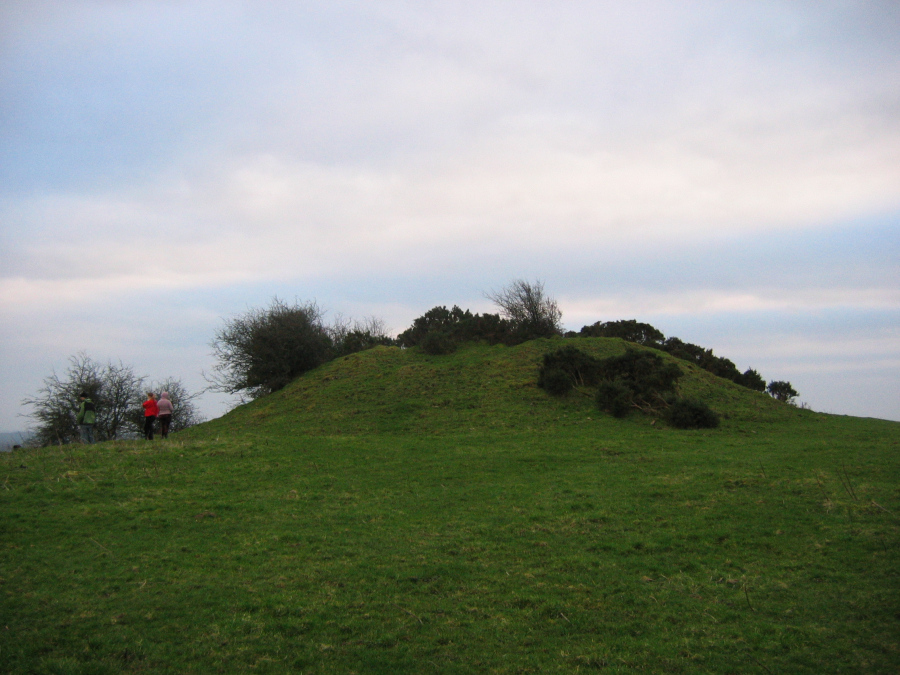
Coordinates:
x,y
646,374
630,330
458,326
555,381
437,343
783,391
752,380
688,414
581,368
615,397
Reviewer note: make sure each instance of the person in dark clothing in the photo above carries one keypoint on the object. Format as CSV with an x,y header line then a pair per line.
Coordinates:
x,y
87,417
151,411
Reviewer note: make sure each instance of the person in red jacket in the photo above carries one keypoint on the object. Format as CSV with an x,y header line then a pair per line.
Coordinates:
x,y
150,413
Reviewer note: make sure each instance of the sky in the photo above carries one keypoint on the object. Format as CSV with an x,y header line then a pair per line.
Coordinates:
x,y
728,172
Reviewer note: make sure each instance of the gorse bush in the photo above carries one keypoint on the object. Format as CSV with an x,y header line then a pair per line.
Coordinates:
x,y
635,380
580,368
441,330
688,414
646,335
645,379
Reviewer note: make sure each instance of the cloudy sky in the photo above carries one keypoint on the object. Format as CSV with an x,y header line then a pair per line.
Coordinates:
x,y
726,171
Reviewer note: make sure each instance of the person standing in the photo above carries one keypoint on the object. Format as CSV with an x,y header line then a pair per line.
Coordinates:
x,y
165,407
150,413
87,417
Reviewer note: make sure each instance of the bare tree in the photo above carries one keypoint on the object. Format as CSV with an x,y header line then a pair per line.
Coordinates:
x,y
184,413
355,335
532,313
114,388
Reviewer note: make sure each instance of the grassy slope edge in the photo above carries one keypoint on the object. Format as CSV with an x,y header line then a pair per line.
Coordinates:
x,y
395,512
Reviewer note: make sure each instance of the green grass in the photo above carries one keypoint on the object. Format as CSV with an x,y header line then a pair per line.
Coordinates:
x,y
393,512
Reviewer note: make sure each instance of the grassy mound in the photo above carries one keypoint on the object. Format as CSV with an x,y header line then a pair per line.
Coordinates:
x,y
392,390
398,513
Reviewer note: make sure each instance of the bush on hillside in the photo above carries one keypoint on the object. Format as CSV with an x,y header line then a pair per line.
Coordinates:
x,y
645,379
580,368
441,330
555,381
782,391
752,380
614,397
263,350
688,414
630,330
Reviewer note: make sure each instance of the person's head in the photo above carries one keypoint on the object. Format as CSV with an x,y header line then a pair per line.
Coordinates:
x,y
165,394
150,394
83,395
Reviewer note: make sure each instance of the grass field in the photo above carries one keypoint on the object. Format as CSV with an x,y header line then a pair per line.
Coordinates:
x,y
398,513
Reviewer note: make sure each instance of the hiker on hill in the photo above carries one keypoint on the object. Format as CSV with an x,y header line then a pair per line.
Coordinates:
x,y
87,417
165,407
150,413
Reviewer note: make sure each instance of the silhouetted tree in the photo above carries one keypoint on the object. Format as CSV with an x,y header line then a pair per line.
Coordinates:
x,y
264,349
531,312
114,388
781,390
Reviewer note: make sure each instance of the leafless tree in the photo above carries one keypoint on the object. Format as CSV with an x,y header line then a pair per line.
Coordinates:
x,y
114,388
532,313
185,413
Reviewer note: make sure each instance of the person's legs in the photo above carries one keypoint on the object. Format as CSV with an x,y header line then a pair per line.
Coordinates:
x,y
87,433
164,421
148,427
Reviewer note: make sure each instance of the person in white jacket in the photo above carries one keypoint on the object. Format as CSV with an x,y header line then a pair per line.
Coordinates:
x,y
165,413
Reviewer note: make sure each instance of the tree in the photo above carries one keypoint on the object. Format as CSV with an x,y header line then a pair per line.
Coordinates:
x,y
531,313
185,413
262,350
782,391
114,388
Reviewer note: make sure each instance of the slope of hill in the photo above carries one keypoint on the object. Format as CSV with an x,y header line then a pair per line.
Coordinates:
x,y
398,513
392,390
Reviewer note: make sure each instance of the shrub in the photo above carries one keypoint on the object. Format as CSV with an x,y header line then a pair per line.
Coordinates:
x,y
437,343
555,381
783,391
454,327
614,397
630,330
264,349
688,414
581,368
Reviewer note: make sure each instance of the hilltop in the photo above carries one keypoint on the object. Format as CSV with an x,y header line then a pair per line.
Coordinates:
x,y
394,512
478,388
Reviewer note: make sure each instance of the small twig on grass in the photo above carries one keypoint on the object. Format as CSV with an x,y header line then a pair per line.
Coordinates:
x,y
565,617
847,486
874,503
101,546
413,615
747,595
761,665
763,469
